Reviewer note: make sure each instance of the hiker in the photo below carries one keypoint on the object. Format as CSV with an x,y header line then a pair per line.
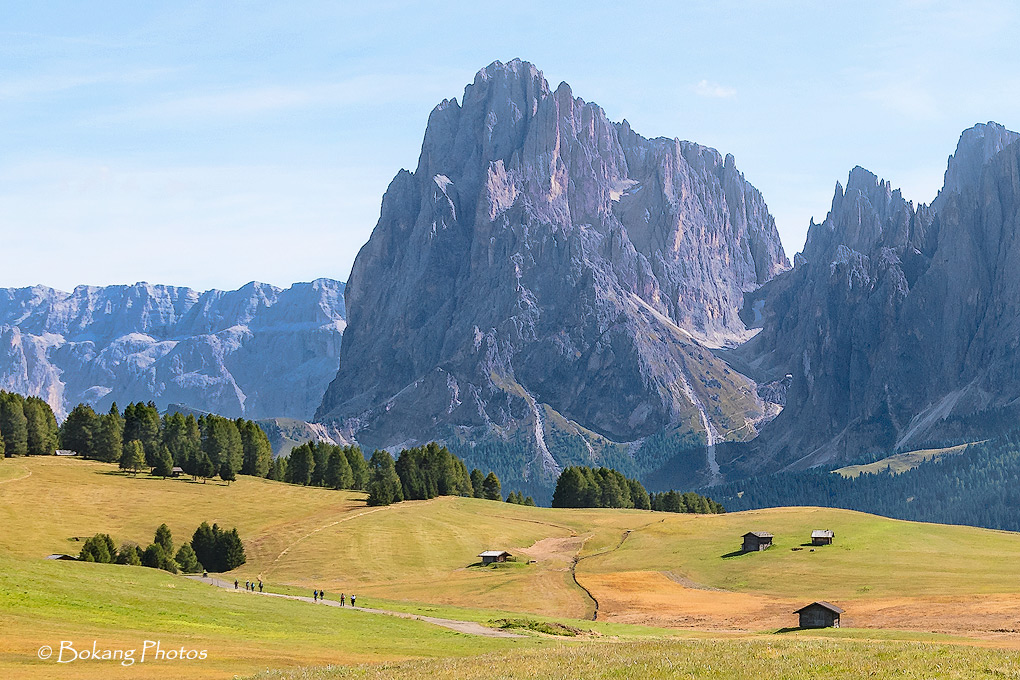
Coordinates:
x,y
247,585
352,599
260,585
315,595
322,596
235,584
341,599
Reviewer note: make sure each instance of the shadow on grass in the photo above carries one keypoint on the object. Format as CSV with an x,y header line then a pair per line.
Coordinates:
x,y
735,553
789,629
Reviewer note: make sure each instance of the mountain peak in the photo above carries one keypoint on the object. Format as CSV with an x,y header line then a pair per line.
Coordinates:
x,y
976,147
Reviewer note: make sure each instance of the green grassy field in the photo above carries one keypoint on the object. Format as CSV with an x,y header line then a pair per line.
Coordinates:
x,y
765,659
901,462
669,587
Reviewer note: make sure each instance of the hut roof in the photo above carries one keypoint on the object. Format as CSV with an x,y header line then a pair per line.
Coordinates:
x,y
493,553
822,533
759,534
825,605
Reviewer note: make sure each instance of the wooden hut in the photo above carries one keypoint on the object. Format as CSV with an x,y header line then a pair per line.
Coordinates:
x,y
819,615
490,556
757,540
822,537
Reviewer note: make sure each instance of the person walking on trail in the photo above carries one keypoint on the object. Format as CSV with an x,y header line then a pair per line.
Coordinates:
x,y
260,585
341,599
315,595
235,584
322,596
352,599
247,585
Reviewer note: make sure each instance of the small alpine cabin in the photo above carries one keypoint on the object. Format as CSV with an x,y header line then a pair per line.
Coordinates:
x,y
822,537
819,615
490,556
757,540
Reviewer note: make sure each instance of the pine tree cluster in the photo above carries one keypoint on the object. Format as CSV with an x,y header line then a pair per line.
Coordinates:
x,y
210,549
27,426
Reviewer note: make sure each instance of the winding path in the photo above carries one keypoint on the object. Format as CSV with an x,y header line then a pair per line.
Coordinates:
x,y
468,627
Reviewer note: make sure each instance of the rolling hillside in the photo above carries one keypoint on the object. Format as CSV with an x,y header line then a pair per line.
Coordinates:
x,y
656,569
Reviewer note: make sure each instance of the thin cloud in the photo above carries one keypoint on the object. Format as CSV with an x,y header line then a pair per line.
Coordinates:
x,y
714,90
261,100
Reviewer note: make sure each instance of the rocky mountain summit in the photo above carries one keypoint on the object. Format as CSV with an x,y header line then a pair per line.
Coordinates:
x,y
899,324
546,286
259,351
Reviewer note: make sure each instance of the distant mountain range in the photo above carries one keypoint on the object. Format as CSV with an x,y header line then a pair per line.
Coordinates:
x,y
550,288
259,351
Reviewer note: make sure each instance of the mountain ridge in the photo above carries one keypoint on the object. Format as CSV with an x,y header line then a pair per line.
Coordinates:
x,y
230,352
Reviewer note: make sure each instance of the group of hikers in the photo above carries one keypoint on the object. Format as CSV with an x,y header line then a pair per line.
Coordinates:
x,y
248,585
319,595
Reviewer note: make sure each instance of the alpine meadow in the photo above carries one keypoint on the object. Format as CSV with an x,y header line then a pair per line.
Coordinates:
x,y
714,378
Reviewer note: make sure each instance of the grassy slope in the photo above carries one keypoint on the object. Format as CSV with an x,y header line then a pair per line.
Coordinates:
x,y
872,556
767,659
900,462
44,602
420,553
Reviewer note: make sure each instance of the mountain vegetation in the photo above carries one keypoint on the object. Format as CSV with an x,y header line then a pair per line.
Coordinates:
x,y
584,487
979,486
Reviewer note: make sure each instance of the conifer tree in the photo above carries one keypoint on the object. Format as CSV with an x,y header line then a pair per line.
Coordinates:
x,y
43,434
204,467
257,451
129,554
490,487
359,467
203,542
133,458
164,463
79,429
384,486
227,473
13,424
300,464
477,478
164,539
186,560
338,470
231,550
278,469
108,442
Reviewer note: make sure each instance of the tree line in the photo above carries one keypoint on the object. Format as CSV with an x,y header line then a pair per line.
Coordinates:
x,y
424,472
584,487
210,549
139,438
27,426
979,486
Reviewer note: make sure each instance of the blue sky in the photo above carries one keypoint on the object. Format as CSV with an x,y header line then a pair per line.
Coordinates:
x,y
210,144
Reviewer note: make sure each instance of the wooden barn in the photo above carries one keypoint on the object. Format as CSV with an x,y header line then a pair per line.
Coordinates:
x,y
822,537
819,615
490,556
757,540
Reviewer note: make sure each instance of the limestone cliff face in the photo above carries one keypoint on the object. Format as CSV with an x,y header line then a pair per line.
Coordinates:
x,y
259,351
546,271
899,325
